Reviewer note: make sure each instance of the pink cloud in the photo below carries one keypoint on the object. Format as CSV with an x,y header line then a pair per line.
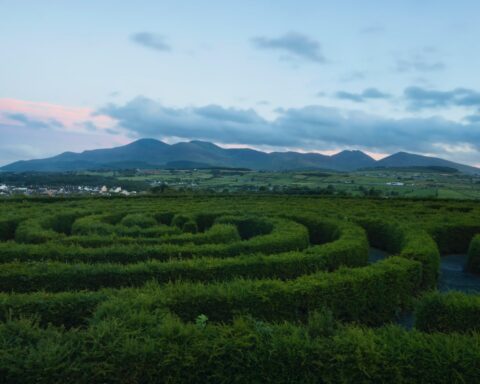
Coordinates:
x,y
71,117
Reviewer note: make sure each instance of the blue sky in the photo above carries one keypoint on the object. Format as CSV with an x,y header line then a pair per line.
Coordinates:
x,y
380,76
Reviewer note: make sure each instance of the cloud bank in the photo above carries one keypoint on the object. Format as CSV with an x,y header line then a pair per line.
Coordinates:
x,y
311,127
422,98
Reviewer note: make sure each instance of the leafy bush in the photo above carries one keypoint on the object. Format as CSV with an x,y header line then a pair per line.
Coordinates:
x,y
190,227
473,262
139,220
449,312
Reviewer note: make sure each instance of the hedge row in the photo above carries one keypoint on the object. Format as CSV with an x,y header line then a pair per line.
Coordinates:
x,y
45,228
154,348
408,242
370,295
106,225
350,249
473,262
69,309
285,236
448,312
217,234
8,226
454,237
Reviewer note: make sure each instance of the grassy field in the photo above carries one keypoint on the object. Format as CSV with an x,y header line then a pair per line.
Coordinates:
x,y
387,183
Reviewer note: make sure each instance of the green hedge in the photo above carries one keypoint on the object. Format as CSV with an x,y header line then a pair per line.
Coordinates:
x,y
473,262
370,295
350,249
217,234
138,220
285,236
386,235
154,348
69,309
454,237
448,312
8,227
419,246
407,241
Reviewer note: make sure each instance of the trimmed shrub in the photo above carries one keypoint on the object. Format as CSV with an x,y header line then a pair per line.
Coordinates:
x,y
190,227
448,312
473,262
455,237
138,220
31,232
351,249
7,228
154,347
69,309
419,246
370,295
179,220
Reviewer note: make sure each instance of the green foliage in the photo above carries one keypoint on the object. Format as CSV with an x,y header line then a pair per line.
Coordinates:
x,y
150,348
473,263
449,312
139,220
454,236
206,289
190,227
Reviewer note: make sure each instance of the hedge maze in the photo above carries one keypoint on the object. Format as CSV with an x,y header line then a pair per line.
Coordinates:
x,y
234,289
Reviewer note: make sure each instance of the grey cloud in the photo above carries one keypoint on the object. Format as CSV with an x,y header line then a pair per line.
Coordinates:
x,y
33,123
310,127
368,93
294,44
152,41
349,96
145,117
422,98
89,126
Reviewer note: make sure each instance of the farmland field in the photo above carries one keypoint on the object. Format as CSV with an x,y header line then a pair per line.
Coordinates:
x,y
390,182
243,289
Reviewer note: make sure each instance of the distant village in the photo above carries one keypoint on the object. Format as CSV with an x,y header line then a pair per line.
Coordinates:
x,y
9,190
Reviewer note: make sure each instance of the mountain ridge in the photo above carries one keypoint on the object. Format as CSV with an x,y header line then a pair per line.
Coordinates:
x,y
152,153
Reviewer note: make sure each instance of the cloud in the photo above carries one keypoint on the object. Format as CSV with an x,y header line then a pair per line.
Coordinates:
x,y
54,115
145,117
312,127
152,41
293,44
368,93
27,121
422,98
422,60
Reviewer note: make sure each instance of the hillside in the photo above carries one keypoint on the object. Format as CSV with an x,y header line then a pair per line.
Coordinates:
x,y
151,153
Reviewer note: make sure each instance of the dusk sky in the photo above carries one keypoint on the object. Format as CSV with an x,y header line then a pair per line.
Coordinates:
x,y
381,76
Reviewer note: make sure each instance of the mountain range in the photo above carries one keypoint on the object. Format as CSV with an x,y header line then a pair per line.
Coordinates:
x,y
151,153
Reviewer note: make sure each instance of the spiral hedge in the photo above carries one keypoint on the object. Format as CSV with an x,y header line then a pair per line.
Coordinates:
x,y
230,289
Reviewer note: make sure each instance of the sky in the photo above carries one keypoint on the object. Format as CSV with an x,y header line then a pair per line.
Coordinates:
x,y
381,76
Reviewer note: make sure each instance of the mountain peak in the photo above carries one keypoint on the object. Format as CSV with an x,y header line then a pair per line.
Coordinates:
x,y
204,144
147,142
